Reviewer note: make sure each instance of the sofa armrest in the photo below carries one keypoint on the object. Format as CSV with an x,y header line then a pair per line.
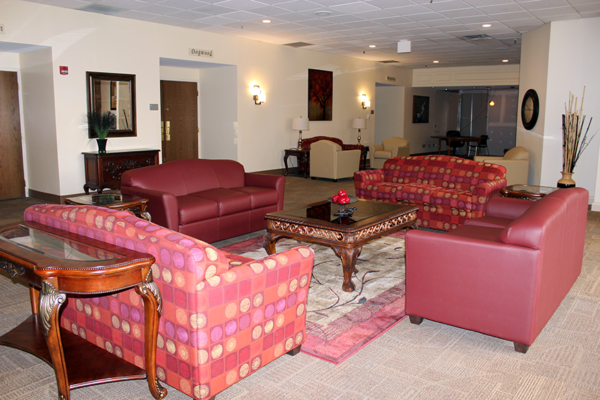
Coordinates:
x,y
162,206
276,182
505,207
474,284
365,183
482,194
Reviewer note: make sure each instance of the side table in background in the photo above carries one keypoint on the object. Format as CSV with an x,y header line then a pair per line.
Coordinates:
x,y
526,192
115,201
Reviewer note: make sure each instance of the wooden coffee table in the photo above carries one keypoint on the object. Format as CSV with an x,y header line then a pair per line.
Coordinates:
x,y
316,223
57,263
526,192
115,201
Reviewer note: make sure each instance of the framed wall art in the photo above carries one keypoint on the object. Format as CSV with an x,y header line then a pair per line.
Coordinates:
x,y
320,95
420,109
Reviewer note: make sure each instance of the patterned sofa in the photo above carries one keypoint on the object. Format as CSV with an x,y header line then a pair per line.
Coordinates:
x,y
223,316
448,190
307,142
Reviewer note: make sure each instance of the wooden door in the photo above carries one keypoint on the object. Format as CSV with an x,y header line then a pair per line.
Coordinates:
x,y
12,179
179,119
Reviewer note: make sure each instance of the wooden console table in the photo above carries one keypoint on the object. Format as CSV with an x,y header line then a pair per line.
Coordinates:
x,y
302,157
57,263
103,170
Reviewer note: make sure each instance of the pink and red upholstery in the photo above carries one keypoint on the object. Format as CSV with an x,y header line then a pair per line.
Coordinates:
x,y
223,316
307,142
210,200
448,190
503,275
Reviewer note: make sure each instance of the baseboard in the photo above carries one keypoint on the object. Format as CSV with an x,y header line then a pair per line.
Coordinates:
x,y
53,198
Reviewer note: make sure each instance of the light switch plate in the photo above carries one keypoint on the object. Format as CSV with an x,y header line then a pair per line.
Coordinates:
x,y
1,28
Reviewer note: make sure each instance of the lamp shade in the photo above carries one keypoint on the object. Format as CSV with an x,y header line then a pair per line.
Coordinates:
x,y
300,124
359,123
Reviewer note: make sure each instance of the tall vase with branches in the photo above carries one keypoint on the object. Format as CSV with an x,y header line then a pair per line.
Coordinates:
x,y
102,122
575,140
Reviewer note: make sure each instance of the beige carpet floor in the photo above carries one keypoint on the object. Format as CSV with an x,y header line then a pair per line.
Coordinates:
x,y
428,361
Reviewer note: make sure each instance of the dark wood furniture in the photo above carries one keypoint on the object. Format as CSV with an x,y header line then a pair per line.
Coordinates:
x,y
302,157
103,170
526,192
56,263
115,201
450,139
317,223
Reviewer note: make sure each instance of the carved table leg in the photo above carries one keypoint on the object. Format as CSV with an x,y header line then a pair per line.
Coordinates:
x,y
269,240
152,309
285,158
348,257
50,303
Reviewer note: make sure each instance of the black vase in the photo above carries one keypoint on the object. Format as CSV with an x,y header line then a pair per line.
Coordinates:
x,y
101,145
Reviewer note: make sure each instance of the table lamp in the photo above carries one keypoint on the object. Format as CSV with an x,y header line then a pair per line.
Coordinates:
x,y
300,124
359,123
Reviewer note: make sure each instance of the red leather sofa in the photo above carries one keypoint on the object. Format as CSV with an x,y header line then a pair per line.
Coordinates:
x,y
224,316
448,190
503,275
210,200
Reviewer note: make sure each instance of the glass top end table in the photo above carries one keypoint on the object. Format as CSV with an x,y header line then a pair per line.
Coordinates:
x,y
115,201
527,192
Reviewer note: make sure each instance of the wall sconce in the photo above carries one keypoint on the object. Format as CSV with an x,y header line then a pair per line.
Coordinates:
x,y
359,123
365,101
258,95
300,124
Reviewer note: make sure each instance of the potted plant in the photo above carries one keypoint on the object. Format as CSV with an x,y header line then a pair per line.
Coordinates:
x,y
102,123
575,140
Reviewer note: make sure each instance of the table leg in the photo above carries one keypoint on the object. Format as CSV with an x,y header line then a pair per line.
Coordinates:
x,y
152,308
439,146
348,257
269,240
285,158
449,141
305,161
49,307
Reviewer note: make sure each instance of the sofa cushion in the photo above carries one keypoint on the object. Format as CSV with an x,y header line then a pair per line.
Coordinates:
x,y
384,154
193,208
477,232
259,197
490,222
420,193
229,201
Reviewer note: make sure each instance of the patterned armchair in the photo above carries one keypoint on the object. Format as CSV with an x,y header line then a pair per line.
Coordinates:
x,y
307,142
223,316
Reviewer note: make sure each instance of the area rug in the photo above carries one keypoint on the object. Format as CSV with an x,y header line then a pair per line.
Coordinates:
x,y
340,323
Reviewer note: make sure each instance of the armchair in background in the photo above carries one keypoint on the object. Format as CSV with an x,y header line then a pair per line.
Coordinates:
x,y
516,162
328,160
391,147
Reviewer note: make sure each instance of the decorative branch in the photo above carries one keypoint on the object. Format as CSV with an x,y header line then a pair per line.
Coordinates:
x,y
574,143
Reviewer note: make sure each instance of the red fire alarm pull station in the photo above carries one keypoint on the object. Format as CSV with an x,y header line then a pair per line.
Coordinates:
x,y
64,70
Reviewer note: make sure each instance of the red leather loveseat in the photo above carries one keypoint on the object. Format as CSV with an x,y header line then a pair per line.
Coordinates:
x,y
210,200
503,275
448,190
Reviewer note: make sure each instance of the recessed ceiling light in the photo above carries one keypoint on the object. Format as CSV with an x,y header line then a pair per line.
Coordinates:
x,y
504,60
322,13
436,62
266,21
486,25
372,45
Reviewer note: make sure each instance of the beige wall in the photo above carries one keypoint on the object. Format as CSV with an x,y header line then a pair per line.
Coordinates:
x,y
94,42
556,59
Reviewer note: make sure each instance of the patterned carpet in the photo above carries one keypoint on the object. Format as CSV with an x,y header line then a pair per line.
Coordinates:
x,y
341,323
428,361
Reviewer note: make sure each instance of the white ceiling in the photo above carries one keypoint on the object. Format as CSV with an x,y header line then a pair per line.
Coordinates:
x,y
436,28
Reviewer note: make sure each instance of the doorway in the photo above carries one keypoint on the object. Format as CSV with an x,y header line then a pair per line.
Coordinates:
x,y
179,120
12,177
389,103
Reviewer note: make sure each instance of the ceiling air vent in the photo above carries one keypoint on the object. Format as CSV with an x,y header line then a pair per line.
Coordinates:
x,y
476,37
101,9
298,44
389,61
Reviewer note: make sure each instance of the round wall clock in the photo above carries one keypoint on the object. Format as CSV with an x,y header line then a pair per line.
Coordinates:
x,y
530,109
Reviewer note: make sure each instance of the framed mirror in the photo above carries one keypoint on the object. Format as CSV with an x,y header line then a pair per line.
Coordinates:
x,y
114,93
